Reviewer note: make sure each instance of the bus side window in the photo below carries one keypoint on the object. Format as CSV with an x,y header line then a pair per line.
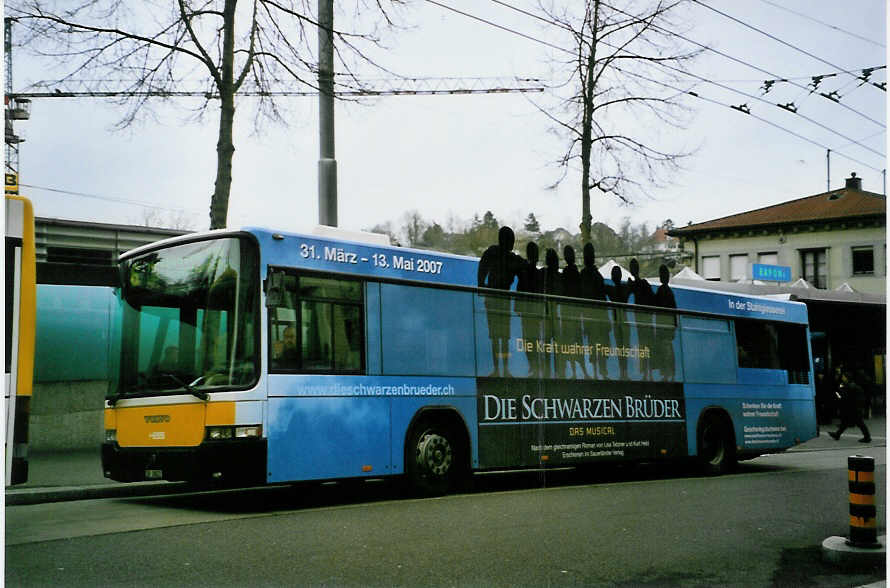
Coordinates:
x,y
758,344
331,330
317,326
283,324
773,346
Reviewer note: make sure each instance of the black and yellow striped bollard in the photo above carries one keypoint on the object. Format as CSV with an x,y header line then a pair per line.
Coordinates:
x,y
863,512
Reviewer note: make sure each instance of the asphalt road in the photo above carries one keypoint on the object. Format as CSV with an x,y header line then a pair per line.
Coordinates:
x,y
642,526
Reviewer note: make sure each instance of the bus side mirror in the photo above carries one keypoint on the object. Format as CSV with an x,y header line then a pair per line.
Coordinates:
x,y
274,289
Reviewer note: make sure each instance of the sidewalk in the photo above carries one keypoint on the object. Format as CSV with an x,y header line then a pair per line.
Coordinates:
x,y
877,426
77,475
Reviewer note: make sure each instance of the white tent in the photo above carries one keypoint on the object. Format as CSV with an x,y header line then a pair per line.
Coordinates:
x,y
845,287
686,274
801,283
606,270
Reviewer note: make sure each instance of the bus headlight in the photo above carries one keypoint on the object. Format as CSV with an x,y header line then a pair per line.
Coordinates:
x,y
218,433
232,432
249,431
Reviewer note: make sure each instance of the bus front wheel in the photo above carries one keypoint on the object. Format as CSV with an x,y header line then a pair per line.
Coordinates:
x,y
716,446
433,459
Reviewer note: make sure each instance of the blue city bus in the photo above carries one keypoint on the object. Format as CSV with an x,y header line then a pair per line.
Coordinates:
x,y
253,356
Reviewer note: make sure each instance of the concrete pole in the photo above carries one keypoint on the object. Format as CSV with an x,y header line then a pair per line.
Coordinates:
x,y
327,163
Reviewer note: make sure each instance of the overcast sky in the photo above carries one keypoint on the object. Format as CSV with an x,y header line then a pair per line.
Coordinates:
x,y
455,156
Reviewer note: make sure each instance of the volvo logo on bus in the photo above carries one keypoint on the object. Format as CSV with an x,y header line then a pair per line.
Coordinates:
x,y
157,418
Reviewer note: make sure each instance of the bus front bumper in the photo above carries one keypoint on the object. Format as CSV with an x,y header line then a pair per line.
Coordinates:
x,y
237,461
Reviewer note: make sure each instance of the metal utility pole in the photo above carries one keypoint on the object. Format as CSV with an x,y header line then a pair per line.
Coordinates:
x,y
327,163
14,109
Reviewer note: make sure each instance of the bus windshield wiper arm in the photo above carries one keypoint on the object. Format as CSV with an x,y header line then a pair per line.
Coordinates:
x,y
190,388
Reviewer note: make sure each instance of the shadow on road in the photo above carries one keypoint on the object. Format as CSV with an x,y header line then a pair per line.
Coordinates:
x,y
805,567
313,495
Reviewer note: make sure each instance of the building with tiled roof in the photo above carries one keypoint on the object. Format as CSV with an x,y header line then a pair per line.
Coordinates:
x,y
832,240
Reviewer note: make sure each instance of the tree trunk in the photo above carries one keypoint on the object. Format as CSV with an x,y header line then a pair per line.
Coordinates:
x,y
225,151
587,126
225,146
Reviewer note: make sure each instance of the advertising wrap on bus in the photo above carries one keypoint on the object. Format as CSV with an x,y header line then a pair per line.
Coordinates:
x,y
367,260
529,424
285,357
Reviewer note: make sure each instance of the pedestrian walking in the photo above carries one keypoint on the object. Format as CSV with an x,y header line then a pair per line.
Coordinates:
x,y
852,401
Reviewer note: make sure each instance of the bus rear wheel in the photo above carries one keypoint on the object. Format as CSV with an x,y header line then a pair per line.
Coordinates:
x,y
433,459
716,447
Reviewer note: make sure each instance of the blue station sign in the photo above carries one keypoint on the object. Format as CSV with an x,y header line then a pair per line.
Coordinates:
x,y
770,273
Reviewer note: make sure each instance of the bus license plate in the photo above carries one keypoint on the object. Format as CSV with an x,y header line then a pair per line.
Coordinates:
x,y
154,474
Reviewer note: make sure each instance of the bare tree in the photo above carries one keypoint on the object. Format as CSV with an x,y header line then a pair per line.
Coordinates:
x,y
413,227
612,97
233,48
174,219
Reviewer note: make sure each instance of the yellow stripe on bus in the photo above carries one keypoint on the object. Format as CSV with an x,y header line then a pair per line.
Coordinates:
x,y
221,413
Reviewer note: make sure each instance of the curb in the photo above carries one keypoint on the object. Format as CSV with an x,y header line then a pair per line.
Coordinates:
x,y
28,496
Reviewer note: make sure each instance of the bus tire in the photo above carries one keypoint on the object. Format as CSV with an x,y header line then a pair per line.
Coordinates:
x,y
716,445
434,458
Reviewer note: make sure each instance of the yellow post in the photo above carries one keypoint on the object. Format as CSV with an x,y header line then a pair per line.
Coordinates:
x,y
863,513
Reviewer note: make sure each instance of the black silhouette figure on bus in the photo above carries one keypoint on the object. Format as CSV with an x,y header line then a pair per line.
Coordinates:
x,y
531,309
498,268
643,294
552,277
619,293
552,285
595,323
570,314
667,331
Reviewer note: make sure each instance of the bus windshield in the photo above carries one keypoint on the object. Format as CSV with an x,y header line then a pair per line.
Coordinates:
x,y
190,319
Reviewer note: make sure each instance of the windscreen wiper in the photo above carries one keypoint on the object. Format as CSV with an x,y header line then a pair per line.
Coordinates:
x,y
190,388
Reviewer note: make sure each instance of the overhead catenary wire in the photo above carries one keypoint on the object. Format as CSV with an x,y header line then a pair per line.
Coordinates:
x,y
498,26
109,198
752,115
809,77
769,35
683,72
745,111
660,64
826,24
745,63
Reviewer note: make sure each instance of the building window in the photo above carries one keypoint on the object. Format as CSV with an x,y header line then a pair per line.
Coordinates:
x,y
768,258
738,267
863,260
815,267
711,267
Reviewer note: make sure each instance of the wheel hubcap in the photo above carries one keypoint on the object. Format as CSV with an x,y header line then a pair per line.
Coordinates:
x,y
434,454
